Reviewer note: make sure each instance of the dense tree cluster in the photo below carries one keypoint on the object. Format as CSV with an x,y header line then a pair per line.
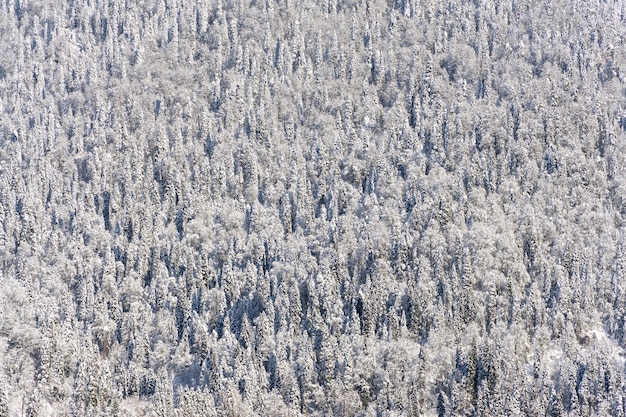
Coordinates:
x,y
346,207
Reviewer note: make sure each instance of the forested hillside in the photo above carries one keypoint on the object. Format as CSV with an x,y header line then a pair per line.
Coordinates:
x,y
335,208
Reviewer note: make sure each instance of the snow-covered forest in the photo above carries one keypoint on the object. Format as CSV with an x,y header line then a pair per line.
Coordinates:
x,y
335,208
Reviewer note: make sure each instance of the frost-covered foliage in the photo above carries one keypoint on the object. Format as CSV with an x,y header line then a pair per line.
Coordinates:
x,y
412,207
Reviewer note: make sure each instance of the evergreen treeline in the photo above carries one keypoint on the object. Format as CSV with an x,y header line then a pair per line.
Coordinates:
x,y
371,208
